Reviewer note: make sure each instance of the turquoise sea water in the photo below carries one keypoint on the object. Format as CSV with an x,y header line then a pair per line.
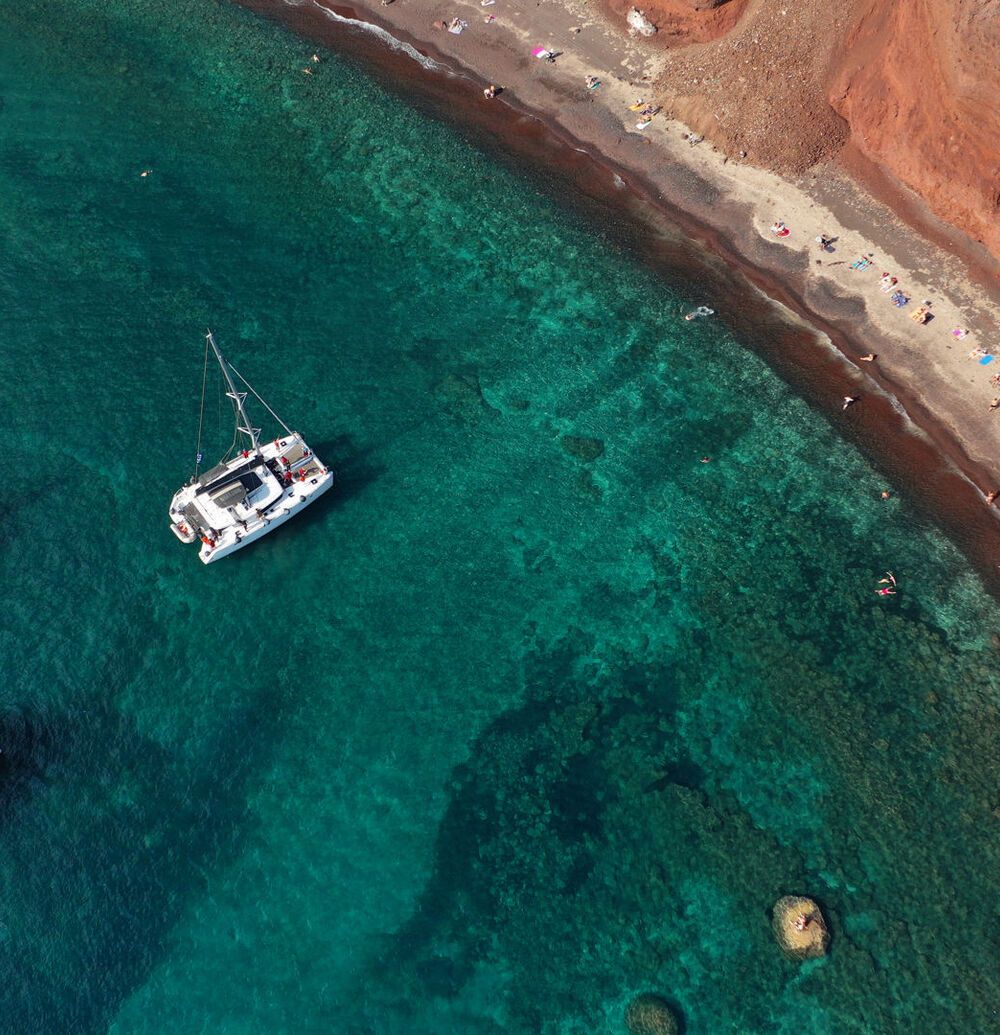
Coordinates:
x,y
534,712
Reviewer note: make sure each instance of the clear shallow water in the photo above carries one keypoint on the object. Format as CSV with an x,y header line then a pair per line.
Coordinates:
x,y
537,711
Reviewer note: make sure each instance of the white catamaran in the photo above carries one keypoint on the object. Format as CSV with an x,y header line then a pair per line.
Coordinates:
x,y
251,493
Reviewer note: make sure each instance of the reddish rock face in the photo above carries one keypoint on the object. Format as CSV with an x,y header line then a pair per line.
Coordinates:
x,y
919,84
914,84
684,21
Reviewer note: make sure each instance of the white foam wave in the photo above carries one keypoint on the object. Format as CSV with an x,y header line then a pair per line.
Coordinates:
x,y
376,30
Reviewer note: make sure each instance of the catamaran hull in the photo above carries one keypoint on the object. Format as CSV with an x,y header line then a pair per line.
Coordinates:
x,y
281,512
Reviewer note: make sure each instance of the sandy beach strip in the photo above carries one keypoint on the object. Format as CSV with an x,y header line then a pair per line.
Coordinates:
x,y
923,378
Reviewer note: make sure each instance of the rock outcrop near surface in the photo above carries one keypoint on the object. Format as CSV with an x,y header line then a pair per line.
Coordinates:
x,y
914,85
650,1015
800,928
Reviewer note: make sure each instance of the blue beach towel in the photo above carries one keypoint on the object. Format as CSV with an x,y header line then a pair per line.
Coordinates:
x,y
985,360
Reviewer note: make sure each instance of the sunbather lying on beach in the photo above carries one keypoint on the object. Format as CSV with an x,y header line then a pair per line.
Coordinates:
x,y
899,299
887,283
861,264
920,315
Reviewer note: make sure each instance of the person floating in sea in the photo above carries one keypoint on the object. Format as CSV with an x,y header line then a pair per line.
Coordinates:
x,y
705,460
886,591
849,400
702,310
888,579
144,173
886,494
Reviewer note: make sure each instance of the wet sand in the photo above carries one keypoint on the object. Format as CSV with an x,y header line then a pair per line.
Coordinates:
x,y
705,243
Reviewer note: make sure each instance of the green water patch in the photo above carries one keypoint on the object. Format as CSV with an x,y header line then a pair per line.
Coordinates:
x,y
535,712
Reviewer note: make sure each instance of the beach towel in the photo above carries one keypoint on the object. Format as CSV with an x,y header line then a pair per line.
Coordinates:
x,y
861,264
985,360
540,52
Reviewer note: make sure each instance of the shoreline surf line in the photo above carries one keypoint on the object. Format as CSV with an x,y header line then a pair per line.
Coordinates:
x,y
913,448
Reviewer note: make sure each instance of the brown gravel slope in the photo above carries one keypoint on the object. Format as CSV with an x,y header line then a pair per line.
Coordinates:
x,y
914,84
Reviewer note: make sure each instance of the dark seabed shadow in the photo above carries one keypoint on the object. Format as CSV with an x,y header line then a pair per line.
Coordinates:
x,y
108,869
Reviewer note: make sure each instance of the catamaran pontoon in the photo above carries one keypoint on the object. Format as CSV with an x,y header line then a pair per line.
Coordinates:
x,y
251,493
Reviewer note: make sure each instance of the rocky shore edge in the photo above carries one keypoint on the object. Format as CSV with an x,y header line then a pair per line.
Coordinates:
x,y
918,421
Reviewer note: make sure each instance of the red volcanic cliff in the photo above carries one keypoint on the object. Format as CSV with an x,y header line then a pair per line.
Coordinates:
x,y
914,84
919,84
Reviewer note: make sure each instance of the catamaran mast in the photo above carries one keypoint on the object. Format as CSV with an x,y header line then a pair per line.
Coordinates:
x,y
243,425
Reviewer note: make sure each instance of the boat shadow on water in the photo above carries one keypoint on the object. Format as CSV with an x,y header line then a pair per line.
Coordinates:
x,y
354,470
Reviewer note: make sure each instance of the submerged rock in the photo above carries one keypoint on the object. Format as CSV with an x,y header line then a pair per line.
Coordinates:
x,y
650,1015
461,394
25,746
583,447
800,928
639,23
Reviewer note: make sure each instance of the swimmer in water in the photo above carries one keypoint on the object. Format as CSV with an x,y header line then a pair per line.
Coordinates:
x,y
849,400
886,591
889,577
